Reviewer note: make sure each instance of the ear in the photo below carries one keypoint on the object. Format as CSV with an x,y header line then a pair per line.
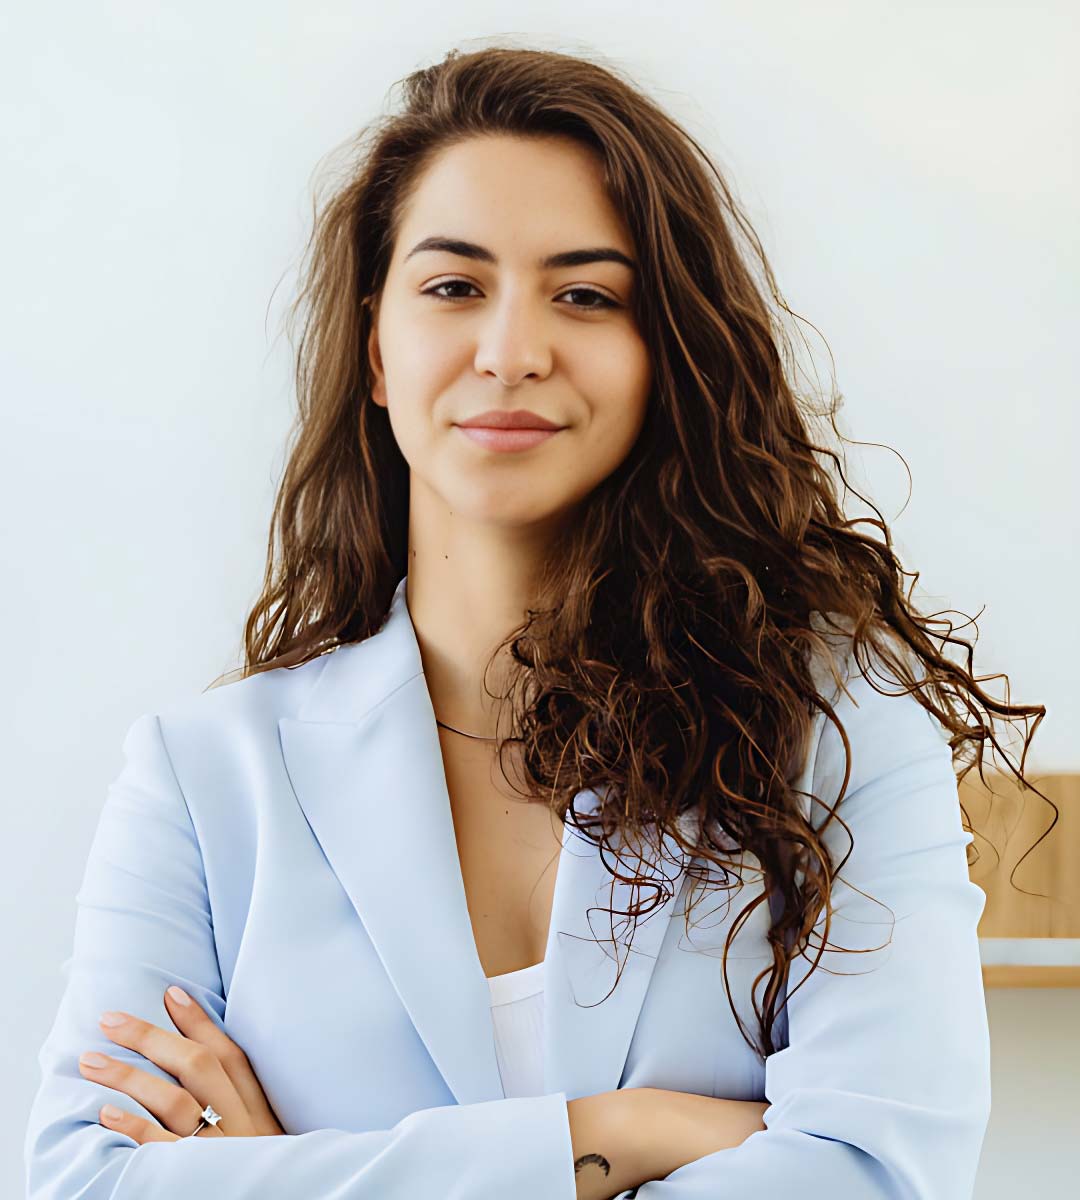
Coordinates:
x,y
375,359
378,385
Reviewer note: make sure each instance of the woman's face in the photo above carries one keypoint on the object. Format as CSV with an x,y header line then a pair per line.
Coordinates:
x,y
485,324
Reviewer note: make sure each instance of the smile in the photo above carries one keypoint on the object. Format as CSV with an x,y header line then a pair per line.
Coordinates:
x,y
506,439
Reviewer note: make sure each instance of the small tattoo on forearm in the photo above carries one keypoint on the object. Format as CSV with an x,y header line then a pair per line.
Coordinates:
x,y
599,1159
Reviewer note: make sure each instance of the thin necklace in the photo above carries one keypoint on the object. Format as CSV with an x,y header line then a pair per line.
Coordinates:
x,y
478,736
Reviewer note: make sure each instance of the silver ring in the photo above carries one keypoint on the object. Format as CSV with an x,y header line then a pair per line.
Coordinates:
x,y
209,1117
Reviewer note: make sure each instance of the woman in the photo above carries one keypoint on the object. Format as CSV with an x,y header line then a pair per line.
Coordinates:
x,y
546,440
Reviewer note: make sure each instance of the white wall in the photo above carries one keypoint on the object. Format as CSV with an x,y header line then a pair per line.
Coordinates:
x,y
911,169
1031,1143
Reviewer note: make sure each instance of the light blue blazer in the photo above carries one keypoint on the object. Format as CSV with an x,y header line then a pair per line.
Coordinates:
x,y
283,848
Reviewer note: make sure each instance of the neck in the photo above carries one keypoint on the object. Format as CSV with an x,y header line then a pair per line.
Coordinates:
x,y
469,585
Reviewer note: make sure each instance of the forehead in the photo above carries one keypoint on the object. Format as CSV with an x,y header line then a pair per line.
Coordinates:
x,y
521,196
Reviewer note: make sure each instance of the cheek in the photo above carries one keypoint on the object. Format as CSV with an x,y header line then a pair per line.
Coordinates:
x,y
413,380
616,436
618,418
413,384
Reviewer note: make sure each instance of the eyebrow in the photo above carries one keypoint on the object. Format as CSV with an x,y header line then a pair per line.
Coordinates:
x,y
567,258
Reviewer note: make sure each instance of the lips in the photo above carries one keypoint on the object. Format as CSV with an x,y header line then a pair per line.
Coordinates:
x,y
520,418
502,440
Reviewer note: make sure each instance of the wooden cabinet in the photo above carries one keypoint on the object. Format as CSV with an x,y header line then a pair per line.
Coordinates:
x,y
1030,928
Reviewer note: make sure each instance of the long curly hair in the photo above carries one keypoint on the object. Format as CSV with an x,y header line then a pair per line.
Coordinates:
x,y
666,664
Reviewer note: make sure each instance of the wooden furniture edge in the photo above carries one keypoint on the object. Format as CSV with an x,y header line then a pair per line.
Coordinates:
x,y
1002,976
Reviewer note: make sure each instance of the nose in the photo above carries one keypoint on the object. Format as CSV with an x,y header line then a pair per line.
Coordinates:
x,y
513,341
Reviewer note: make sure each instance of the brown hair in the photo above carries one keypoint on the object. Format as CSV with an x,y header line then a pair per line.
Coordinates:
x,y
667,660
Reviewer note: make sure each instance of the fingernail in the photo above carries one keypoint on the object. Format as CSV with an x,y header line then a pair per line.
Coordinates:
x,y
92,1059
179,995
111,1113
112,1018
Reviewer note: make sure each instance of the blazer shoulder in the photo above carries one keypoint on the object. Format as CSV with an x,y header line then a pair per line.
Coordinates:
x,y
253,701
885,726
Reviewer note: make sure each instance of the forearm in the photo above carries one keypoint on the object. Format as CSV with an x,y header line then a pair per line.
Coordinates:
x,y
606,1161
676,1128
624,1138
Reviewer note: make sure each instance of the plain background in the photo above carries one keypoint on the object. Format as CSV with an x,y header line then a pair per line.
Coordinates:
x,y
910,168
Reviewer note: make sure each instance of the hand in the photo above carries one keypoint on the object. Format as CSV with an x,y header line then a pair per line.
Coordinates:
x,y
211,1068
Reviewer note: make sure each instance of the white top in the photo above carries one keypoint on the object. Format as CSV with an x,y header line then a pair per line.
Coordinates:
x,y
517,1014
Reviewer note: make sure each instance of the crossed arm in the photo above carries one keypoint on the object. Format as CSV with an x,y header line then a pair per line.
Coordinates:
x,y
882,1092
619,1139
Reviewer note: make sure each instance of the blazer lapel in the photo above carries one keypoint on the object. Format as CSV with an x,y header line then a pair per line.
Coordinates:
x,y
587,1036
365,763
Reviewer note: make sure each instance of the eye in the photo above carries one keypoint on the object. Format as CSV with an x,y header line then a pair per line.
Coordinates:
x,y
604,301
435,291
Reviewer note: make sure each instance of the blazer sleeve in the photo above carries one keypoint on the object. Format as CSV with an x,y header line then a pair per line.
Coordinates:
x,y
142,921
883,1090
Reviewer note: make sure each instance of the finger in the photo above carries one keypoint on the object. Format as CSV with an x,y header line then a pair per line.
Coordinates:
x,y
195,1023
190,1063
139,1129
174,1107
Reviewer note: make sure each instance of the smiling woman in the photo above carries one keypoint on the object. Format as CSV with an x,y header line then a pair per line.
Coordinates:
x,y
534,224
546,432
